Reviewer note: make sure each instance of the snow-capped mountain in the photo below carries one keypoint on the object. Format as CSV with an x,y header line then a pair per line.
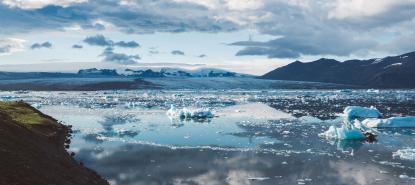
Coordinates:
x,y
177,72
388,72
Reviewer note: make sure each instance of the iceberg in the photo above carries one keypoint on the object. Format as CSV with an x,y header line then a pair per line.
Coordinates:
x,y
347,132
186,113
356,112
408,121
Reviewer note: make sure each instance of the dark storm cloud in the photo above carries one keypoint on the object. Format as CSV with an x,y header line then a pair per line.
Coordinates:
x,y
177,52
119,58
41,45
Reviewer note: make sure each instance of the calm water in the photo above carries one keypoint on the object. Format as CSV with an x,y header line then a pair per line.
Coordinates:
x,y
255,137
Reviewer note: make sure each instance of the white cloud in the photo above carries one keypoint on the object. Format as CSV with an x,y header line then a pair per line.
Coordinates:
x,y
34,4
11,45
344,9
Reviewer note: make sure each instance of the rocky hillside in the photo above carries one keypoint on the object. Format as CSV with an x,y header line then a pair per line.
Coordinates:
x,y
388,72
32,150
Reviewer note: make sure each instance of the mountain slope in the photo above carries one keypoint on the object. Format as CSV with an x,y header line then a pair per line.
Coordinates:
x,y
389,72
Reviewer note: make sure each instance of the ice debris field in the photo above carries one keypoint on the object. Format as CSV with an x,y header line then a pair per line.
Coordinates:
x,y
353,129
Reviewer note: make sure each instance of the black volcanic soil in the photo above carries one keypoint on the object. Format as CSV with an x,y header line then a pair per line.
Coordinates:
x,y
32,150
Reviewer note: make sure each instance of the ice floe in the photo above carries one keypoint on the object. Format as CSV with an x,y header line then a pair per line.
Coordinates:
x,y
356,112
406,154
253,111
408,121
186,113
347,132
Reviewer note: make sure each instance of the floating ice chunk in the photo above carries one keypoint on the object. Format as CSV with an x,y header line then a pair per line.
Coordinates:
x,y
355,112
406,154
408,121
345,132
189,113
37,105
258,178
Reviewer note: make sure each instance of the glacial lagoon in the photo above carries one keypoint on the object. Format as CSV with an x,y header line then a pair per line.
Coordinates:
x,y
254,137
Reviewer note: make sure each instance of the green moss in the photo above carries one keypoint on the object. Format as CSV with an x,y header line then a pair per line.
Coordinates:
x,y
22,113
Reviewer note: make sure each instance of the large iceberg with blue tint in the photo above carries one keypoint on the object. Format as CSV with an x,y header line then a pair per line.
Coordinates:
x,y
408,121
357,112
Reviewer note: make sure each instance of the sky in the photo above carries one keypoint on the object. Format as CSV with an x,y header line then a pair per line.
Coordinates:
x,y
248,36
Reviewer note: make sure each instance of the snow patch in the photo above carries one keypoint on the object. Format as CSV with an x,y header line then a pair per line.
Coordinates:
x,y
393,65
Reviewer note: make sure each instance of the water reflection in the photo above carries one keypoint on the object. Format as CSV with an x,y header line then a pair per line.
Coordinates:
x,y
145,164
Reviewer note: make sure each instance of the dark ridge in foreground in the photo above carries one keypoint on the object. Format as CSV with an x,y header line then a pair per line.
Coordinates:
x,y
32,150
388,72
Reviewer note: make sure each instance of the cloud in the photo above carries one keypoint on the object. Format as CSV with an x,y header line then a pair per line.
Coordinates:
x,y
340,27
11,45
34,4
177,52
41,45
101,40
119,58
98,40
296,46
202,56
77,46
139,16
130,44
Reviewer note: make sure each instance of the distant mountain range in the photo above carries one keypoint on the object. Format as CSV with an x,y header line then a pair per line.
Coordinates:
x,y
128,73
388,72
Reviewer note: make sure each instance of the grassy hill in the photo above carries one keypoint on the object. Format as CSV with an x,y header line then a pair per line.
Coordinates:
x,y
32,150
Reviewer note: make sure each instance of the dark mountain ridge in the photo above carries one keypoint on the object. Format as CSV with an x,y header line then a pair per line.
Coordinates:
x,y
388,72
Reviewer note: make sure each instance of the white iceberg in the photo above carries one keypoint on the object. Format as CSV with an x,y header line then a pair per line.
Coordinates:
x,y
186,113
356,112
406,154
347,132
408,121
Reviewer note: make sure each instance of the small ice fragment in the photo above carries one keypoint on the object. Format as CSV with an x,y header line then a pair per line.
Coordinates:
x,y
189,113
403,176
355,112
284,163
406,154
258,178
285,132
408,121
37,105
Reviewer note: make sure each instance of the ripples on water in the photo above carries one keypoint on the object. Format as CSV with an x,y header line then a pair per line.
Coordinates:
x,y
256,137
